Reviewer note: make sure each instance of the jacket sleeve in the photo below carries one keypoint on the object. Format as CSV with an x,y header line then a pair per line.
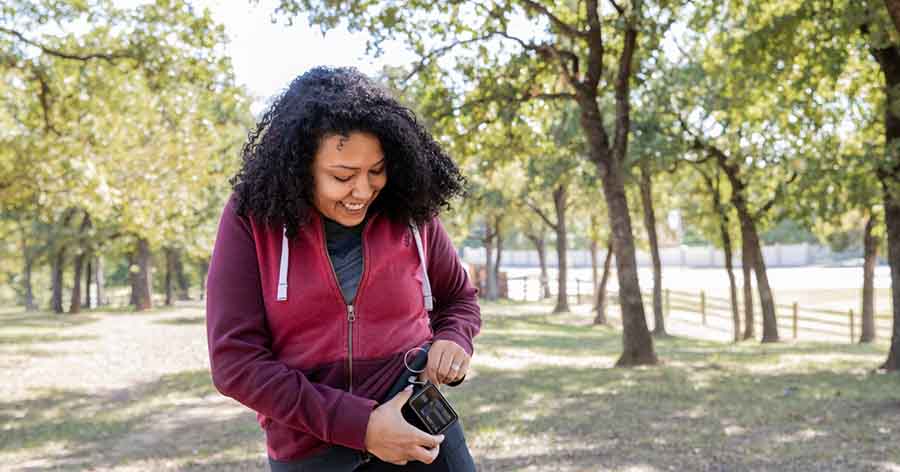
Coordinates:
x,y
456,316
242,362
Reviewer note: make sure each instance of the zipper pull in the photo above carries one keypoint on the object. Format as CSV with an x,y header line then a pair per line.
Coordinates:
x,y
351,315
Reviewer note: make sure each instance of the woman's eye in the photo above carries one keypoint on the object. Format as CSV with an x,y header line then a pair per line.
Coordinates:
x,y
342,179
377,172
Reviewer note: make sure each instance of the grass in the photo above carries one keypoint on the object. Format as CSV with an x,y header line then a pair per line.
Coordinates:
x,y
543,395
546,397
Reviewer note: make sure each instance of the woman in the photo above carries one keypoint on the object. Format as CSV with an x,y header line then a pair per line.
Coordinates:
x,y
330,269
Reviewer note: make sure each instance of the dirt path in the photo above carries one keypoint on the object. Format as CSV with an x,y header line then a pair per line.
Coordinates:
x,y
119,391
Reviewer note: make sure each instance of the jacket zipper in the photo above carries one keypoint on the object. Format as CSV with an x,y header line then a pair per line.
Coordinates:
x,y
351,311
351,317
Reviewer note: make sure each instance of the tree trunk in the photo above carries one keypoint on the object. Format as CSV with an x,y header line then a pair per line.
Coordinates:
x,y
140,276
132,277
659,323
75,302
28,254
889,175
732,284
870,243
724,224
497,260
101,281
26,281
747,270
58,255
637,342
600,304
595,270
204,270
751,245
57,268
184,286
893,7
766,300
170,270
541,246
892,218
562,294
78,270
88,279
490,281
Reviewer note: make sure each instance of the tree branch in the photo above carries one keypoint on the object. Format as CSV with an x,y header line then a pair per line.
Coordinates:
x,y
893,7
778,194
595,46
562,26
44,97
617,7
543,215
623,99
443,50
63,54
547,51
508,99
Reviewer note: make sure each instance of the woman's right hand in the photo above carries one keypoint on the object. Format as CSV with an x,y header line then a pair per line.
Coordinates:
x,y
390,438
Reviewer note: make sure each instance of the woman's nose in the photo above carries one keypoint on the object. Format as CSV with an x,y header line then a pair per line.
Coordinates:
x,y
363,188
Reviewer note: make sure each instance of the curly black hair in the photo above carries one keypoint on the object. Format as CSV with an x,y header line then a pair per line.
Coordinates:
x,y
275,182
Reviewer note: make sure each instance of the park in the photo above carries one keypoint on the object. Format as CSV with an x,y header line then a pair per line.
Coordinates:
x,y
682,218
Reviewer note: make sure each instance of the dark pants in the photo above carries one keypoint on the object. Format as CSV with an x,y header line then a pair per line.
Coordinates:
x,y
454,455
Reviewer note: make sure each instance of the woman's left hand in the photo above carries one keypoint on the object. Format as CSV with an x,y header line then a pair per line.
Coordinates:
x,y
448,362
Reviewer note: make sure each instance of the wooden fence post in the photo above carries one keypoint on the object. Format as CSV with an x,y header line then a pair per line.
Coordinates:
x,y
852,330
703,306
795,320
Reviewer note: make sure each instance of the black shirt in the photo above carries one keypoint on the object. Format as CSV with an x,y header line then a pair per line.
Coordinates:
x,y
346,253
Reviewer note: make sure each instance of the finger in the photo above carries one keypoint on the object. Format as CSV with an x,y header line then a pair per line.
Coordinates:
x,y
426,440
434,362
401,397
463,370
463,367
427,456
445,369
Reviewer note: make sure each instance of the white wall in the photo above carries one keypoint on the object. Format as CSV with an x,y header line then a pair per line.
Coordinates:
x,y
779,255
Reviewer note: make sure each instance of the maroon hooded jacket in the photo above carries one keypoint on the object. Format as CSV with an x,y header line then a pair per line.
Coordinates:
x,y
311,366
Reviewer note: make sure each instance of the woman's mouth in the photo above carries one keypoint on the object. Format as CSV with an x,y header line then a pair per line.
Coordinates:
x,y
353,207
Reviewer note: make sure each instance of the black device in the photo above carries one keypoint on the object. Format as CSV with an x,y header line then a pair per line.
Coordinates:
x,y
431,409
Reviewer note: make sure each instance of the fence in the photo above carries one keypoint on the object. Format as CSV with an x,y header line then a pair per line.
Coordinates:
x,y
528,288
714,313
115,297
811,323
776,255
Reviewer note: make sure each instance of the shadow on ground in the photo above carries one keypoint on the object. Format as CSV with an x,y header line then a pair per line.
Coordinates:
x,y
709,406
177,420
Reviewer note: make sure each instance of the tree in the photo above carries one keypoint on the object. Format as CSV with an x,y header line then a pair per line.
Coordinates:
x,y
737,115
868,26
552,165
568,61
140,101
723,212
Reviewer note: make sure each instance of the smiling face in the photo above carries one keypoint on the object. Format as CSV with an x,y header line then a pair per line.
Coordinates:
x,y
348,173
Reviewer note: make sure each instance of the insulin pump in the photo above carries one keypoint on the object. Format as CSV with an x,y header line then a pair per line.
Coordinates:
x,y
427,405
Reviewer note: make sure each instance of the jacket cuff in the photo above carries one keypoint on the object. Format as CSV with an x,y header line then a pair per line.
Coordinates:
x,y
350,421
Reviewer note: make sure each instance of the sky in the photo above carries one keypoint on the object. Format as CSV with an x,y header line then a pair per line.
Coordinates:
x,y
267,56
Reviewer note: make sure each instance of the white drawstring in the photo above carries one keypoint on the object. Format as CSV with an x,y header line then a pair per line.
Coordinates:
x,y
281,294
426,284
283,269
